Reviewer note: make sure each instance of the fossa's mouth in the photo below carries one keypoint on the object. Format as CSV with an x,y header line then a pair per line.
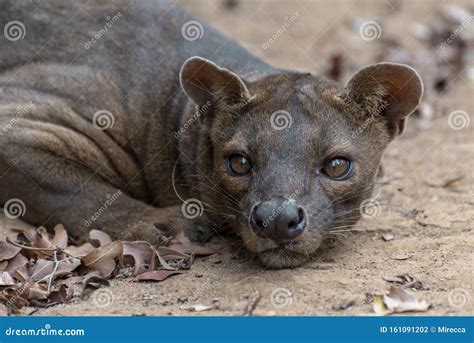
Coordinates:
x,y
283,256
289,254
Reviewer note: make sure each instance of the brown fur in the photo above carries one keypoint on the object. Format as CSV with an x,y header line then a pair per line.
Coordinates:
x,y
64,169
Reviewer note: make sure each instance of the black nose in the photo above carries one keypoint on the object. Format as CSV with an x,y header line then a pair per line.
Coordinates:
x,y
279,219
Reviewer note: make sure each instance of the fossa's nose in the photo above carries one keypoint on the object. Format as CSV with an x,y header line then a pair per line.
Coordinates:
x,y
279,219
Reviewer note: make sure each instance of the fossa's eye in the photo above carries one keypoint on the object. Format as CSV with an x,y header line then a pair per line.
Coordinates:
x,y
238,165
337,168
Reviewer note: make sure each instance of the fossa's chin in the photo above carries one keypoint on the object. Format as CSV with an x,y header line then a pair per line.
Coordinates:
x,y
282,257
290,255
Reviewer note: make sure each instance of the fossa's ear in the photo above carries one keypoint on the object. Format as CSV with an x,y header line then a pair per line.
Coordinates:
x,y
203,81
391,90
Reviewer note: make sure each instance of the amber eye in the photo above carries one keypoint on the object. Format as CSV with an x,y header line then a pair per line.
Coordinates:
x,y
238,165
337,168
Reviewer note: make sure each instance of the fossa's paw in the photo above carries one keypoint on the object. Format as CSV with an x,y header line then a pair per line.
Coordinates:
x,y
200,229
143,231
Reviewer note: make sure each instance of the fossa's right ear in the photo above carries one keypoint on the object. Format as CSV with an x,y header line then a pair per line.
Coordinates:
x,y
203,81
391,90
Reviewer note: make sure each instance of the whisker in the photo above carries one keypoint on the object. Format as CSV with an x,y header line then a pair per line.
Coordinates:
x,y
220,191
179,196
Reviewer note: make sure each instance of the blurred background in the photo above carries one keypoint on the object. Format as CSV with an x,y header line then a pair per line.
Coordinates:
x,y
337,37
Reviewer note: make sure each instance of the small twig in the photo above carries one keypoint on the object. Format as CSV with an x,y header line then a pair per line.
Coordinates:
x,y
59,261
252,305
53,249
348,230
56,264
30,248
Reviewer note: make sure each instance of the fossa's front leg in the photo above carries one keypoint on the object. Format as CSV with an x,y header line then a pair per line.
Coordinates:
x,y
59,176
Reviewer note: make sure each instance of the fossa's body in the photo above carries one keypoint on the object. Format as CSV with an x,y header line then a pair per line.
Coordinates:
x,y
130,123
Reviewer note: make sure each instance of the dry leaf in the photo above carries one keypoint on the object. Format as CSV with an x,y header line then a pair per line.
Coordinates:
x,y
17,295
21,274
59,296
93,280
41,269
44,277
37,292
3,309
172,259
157,275
7,250
38,238
100,236
43,240
406,281
66,267
103,258
79,284
172,254
29,234
6,279
143,254
81,250
183,244
44,268
397,301
200,308
17,263
60,237
379,306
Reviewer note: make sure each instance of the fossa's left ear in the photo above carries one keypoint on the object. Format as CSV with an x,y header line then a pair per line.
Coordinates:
x,y
203,80
391,90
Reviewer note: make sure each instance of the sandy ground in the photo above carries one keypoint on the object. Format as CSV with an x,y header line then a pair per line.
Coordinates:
x,y
432,226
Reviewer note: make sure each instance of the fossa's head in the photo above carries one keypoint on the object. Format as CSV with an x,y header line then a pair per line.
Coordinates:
x,y
291,157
